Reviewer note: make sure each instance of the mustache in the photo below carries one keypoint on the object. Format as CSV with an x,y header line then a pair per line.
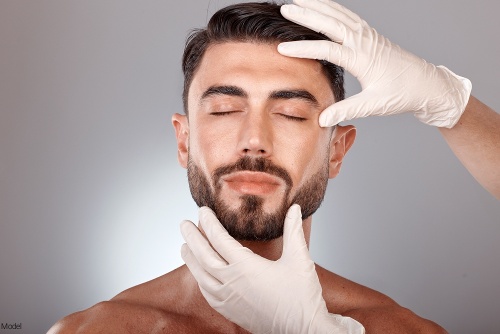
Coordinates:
x,y
253,165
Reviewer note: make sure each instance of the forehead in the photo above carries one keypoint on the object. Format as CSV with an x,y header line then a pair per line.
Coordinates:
x,y
258,68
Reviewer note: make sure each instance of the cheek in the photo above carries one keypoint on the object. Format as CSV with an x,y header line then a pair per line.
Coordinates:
x,y
303,155
211,146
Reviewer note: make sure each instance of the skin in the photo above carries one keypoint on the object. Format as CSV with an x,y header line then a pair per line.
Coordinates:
x,y
258,127
475,140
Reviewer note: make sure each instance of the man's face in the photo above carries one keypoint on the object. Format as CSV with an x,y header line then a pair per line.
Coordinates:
x,y
252,143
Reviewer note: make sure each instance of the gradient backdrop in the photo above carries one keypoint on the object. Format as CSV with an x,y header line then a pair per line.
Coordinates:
x,y
91,195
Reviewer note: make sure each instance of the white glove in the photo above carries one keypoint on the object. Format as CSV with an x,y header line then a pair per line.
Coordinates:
x,y
258,294
393,80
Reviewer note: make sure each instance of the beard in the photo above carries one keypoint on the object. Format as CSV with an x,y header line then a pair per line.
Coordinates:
x,y
250,222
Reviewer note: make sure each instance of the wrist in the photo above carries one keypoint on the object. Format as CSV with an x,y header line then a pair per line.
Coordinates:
x,y
445,109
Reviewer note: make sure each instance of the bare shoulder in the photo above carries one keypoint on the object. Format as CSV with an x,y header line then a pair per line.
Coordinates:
x,y
171,303
116,317
342,294
162,305
377,312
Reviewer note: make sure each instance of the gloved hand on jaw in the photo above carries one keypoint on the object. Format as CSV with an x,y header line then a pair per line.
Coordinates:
x,y
260,295
393,80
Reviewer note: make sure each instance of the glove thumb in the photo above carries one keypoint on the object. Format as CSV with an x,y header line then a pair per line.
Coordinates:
x,y
356,106
294,242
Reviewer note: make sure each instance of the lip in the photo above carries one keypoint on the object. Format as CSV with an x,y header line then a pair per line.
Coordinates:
x,y
252,183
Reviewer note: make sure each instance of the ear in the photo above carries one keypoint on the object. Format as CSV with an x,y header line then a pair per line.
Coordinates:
x,y
342,140
181,126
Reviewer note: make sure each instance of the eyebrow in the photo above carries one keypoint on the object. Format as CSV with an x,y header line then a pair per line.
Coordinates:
x,y
223,90
284,94
294,94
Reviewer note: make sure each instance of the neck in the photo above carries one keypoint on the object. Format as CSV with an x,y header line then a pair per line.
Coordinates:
x,y
272,249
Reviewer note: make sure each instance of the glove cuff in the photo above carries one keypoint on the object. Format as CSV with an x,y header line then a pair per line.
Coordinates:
x,y
455,100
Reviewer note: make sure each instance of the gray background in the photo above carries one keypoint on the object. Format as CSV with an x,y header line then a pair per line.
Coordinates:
x,y
91,194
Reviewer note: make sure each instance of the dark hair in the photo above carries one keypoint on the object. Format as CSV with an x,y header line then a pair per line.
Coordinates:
x,y
251,22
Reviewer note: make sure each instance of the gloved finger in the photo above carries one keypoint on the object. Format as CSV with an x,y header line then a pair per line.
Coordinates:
x,y
329,8
323,50
210,286
230,249
294,242
324,24
207,257
347,324
356,106
213,299
201,275
226,308
353,16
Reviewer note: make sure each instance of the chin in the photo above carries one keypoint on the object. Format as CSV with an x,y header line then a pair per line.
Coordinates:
x,y
249,221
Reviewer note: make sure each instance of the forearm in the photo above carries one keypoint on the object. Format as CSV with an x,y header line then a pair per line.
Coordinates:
x,y
475,140
393,320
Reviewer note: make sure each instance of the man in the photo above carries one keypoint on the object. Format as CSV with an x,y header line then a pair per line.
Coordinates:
x,y
252,145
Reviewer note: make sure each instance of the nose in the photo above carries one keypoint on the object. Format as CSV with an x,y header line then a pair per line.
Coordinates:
x,y
256,136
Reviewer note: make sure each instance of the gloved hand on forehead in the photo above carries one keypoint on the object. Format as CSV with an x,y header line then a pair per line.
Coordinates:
x,y
261,295
393,80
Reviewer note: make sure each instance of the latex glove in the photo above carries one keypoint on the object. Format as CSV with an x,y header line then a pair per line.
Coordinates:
x,y
393,80
258,294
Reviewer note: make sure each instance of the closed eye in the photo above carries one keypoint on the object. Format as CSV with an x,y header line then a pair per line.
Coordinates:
x,y
222,113
294,118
